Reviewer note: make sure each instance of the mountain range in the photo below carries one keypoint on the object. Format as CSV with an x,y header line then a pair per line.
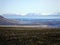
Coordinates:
x,y
32,15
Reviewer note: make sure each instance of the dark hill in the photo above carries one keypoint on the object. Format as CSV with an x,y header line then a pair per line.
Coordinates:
x,y
4,21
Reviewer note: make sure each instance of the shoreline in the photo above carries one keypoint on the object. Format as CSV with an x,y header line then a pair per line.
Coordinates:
x,y
27,26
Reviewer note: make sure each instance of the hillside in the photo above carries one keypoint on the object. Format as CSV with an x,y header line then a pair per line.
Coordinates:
x,y
29,36
4,21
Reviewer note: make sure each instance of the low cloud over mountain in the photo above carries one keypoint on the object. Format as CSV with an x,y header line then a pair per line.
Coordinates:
x,y
33,15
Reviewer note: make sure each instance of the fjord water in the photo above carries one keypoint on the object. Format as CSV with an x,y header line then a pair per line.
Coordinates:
x,y
54,23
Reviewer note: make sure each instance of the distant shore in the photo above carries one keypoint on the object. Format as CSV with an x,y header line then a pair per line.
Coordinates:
x,y
28,26
23,25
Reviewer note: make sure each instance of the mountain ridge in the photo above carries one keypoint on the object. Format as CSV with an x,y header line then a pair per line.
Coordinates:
x,y
32,15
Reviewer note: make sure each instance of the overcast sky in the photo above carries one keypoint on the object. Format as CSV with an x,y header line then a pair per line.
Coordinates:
x,y
29,6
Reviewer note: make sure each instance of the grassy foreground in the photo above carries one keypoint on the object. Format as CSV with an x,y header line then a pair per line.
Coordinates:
x,y
29,36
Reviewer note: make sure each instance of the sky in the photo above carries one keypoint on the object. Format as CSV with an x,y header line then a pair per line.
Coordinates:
x,y
29,6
